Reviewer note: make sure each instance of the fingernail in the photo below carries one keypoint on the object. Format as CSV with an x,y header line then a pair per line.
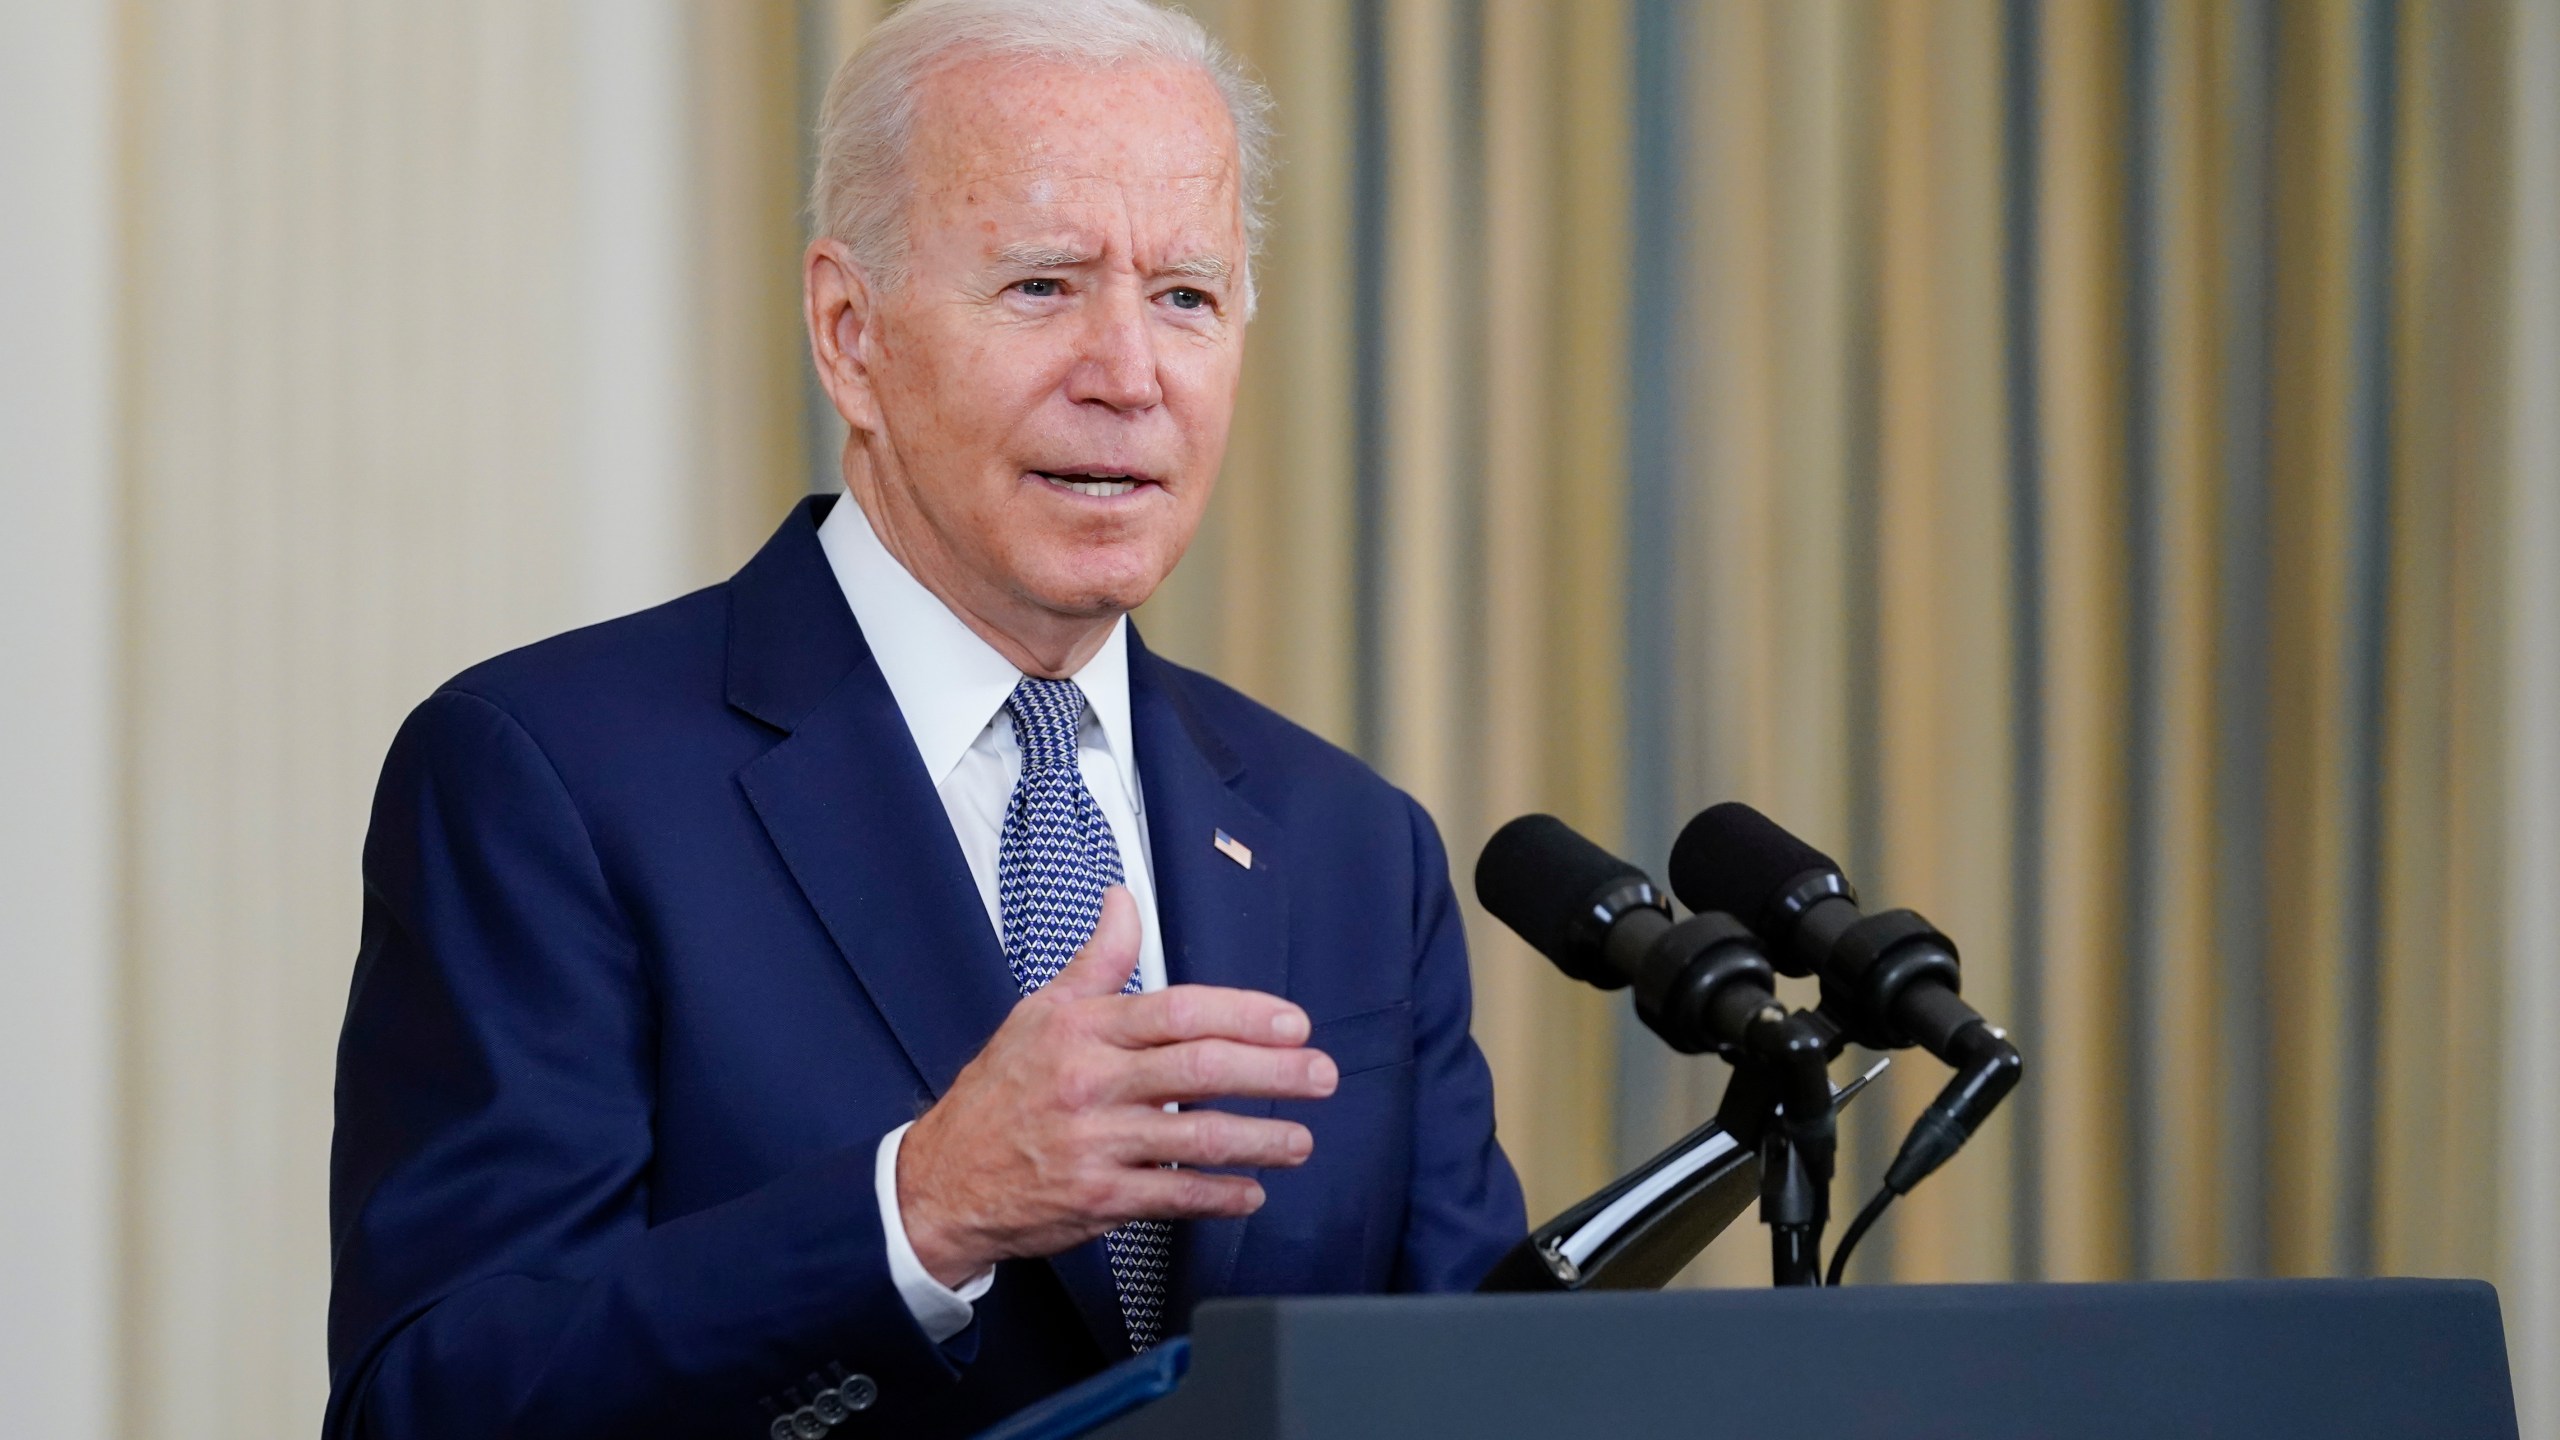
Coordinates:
x,y
1289,1026
1302,1144
1255,1202
1321,1074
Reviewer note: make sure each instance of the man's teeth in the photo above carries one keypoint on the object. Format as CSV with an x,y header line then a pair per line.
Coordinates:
x,y
1100,486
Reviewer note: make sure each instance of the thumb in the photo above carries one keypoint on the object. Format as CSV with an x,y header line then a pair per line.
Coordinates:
x,y
1107,960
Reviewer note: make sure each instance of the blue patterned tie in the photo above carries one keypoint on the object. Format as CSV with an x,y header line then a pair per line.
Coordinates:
x,y
1056,859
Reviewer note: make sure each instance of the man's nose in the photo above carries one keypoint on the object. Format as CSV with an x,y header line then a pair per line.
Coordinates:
x,y
1118,367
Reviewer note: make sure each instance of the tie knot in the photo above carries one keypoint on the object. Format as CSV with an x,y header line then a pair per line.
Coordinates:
x,y
1046,714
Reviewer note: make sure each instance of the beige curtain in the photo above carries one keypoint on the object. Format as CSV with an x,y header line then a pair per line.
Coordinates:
x,y
2049,454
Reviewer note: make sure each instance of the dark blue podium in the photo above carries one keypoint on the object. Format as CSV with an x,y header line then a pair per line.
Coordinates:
x,y
2341,1360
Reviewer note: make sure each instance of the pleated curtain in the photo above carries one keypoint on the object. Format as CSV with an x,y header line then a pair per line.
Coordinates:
x,y
2052,456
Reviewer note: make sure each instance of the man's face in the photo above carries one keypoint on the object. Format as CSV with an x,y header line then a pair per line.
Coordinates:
x,y
1055,376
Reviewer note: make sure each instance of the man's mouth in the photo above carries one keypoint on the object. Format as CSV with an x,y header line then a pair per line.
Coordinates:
x,y
1099,484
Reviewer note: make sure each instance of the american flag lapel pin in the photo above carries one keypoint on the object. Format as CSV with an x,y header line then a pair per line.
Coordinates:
x,y
1231,847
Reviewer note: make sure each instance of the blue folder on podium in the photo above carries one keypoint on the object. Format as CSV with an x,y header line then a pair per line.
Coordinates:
x,y
2337,1359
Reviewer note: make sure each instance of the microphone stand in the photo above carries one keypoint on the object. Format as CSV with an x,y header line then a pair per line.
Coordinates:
x,y
1779,1100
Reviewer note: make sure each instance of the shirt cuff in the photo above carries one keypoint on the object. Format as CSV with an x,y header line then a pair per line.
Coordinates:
x,y
940,1311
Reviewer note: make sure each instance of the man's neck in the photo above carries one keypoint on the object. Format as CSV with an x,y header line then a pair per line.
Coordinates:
x,y
1037,641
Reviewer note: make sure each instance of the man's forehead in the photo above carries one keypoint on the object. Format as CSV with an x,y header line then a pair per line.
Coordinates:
x,y
1062,180
1034,132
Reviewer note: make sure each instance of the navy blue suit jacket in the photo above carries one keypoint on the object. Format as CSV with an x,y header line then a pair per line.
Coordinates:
x,y
665,928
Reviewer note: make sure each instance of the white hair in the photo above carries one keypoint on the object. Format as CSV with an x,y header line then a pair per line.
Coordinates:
x,y
859,195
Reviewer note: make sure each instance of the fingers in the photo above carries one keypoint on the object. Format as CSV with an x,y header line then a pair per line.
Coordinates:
x,y
1212,1069
1188,1195
1206,1012
1214,1138
1107,960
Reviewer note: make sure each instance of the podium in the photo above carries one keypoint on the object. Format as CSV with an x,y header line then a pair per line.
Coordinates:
x,y
2337,1359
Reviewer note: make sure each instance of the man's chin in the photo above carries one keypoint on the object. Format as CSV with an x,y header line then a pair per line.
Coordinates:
x,y
1092,570
1095,589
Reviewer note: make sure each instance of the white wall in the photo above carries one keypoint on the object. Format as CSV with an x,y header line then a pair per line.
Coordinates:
x,y
339,347
408,388
57,721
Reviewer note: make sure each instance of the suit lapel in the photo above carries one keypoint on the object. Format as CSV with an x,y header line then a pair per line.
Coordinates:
x,y
848,805
1223,924
846,802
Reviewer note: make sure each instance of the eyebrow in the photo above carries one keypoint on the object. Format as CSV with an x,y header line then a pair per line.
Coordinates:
x,y
1027,255
1200,267
1035,255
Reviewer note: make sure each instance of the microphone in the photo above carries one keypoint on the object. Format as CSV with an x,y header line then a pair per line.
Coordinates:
x,y
1701,983
1890,979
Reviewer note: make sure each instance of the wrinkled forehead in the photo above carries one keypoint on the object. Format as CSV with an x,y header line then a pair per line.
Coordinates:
x,y
995,135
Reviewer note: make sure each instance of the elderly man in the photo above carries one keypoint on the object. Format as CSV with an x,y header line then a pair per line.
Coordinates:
x,y
876,992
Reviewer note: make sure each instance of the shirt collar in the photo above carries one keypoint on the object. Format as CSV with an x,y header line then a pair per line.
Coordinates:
x,y
949,683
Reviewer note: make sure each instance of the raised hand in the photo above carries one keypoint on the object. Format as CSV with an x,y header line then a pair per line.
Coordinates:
x,y
1057,1131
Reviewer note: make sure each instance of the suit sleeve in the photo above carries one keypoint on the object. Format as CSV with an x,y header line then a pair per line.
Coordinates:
x,y
495,1268
1465,1209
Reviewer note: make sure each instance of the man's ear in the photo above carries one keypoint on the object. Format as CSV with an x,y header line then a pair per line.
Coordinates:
x,y
837,302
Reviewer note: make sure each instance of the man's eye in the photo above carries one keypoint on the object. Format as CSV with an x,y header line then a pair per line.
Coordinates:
x,y
1186,298
1038,289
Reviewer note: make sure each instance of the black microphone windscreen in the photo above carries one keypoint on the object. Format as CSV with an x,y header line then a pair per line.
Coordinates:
x,y
1538,875
1734,859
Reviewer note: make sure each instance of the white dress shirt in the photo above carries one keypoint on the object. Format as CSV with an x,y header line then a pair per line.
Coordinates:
x,y
951,687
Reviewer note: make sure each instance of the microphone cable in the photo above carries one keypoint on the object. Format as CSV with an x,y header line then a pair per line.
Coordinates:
x,y
1857,1231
